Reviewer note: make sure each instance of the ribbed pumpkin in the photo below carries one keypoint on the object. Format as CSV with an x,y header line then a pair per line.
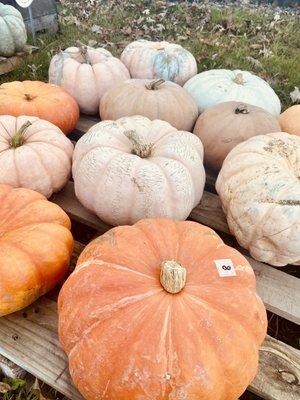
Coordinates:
x,y
86,74
39,99
260,192
225,125
152,99
159,60
219,85
134,168
12,31
146,315
289,120
35,247
34,154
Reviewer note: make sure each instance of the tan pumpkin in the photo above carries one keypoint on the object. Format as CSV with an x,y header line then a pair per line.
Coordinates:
x,y
86,74
34,154
289,120
162,100
146,315
225,125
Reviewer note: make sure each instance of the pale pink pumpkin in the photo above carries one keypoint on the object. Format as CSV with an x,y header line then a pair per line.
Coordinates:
x,y
34,154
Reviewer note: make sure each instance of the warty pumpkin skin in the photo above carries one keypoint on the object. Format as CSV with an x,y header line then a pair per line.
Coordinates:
x,y
34,154
289,120
219,85
162,100
159,60
39,99
35,247
86,74
260,192
12,31
134,168
145,315
225,125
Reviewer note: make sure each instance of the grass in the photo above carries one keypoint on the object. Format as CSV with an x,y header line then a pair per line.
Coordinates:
x,y
254,39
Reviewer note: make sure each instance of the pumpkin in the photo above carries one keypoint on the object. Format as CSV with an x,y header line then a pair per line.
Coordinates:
x,y
12,31
225,125
219,85
86,74
159,60
34,154
289,120
134,168
260,192
39,99
35,247
152,99
153,290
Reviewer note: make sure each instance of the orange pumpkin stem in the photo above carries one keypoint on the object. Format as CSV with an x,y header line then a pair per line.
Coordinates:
x,y
239,79
154,85
172,276
18,139
242,109
139,148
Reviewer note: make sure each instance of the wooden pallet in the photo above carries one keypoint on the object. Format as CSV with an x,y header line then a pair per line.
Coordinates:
x,y
8,64
29,337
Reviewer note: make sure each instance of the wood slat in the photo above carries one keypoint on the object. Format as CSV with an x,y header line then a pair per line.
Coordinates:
x,y
279,291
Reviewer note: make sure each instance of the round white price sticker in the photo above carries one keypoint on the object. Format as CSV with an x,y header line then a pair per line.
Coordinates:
x,y
24,3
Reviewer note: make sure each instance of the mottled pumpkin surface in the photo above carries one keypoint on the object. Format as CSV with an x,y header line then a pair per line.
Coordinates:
x,y
35,247
13,34
127,338
289,120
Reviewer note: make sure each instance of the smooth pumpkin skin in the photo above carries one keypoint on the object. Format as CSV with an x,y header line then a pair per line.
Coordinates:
x,y
159,60
168,102
42,162
289,120
86,74
127,338
35,247
39,99
259,189
225,125
12,31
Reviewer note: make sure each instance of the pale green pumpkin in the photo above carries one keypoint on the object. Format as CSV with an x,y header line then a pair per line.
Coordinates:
x,y
12,31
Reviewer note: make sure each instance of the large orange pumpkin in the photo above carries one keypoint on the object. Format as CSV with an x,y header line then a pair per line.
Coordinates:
x,y
289,120
35,247
39,99
146,315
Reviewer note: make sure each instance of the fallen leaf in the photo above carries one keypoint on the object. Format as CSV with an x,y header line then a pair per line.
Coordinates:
x,y
295,95
4,387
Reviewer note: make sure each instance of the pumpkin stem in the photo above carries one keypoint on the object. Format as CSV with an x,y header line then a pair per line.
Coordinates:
x,y
139,148
242,109
154,85
83,48
172,276
17,140
239,79
29,97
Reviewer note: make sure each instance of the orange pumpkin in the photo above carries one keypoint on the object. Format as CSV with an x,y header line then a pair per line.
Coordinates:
x,y
39,99
35,247
289,120
146,315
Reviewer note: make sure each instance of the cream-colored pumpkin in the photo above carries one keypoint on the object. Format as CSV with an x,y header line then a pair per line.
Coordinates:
x,y
34,154
219,85
86,74
225,125
134,168
260,192
159,60
13,34
152,99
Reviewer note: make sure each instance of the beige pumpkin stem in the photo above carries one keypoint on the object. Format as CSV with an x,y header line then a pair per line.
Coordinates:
x,y
83,48
172,276
18,139
154,85
242,109
139,148
239,79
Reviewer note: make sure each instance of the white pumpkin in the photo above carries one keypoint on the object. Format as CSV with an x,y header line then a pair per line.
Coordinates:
x,y
34,154
159,60
219,85
134,168
13,34
260,192
87,74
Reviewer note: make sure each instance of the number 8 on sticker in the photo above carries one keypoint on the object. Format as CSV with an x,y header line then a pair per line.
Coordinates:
x,y
225,267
